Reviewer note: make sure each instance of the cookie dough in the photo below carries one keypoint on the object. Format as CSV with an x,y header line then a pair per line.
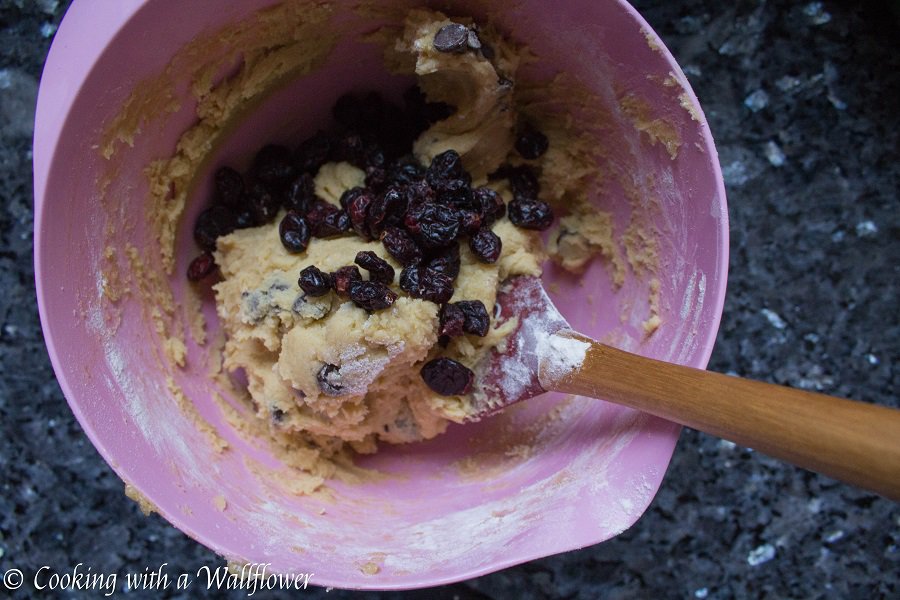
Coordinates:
x,y
483,127
281,339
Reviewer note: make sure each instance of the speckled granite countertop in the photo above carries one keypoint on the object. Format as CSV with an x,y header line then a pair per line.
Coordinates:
x,y
802,101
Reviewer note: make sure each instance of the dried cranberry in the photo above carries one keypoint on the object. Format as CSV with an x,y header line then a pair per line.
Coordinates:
x,y
300,194
447,377
314,282
350,148
294,232
433,225
396,203
326,220
521,178
409,279
444,167
405,171
447,262
273,166
313,152
477,320
424,283
376,178
229,187
377,213
201,267
470,221
490,203
379,269
387,209
456,193
436,287
329,380
263,203
419,192
486,246
350,194
334,223
373,155
531,143
451,38
401,246
452,319
371,295
212,223
244,219
343,277
530,214
358,203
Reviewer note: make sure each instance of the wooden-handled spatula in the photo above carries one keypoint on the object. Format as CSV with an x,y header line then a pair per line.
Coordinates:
x,y
852,441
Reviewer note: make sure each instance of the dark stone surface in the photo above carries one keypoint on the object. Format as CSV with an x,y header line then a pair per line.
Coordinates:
x,y
802,100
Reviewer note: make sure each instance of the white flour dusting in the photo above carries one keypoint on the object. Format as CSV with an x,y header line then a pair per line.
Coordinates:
x,y
529,344
516,375
559,355
518,364
359,367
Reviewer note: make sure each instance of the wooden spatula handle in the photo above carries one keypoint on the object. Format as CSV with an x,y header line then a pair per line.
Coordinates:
x,y
852,441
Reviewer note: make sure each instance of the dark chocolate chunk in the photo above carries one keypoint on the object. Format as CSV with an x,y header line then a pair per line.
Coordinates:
x,y
329,380
451,38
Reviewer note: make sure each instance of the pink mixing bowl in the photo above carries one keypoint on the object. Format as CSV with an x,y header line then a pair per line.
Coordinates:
x,y
546,477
